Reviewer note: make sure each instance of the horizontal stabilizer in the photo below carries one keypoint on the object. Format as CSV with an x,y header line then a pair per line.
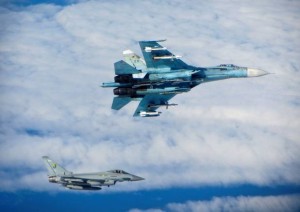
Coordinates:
x,y
121,67
120,102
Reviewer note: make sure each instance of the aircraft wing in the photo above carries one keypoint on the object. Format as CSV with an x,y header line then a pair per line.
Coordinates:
x,y
151,102
82,184
73,180
82,181
157,56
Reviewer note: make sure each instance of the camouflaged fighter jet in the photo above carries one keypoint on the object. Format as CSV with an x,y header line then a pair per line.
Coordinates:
x,y
161,75
86,181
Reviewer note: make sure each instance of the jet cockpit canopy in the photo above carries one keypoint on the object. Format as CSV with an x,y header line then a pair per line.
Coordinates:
x,y
118,171
228,65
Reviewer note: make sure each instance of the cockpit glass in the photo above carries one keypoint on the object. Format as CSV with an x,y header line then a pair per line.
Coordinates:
x,y
227,65
118,171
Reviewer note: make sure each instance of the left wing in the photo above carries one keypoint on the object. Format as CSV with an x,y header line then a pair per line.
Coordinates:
x,y
86,181
157,56
151,102
81,184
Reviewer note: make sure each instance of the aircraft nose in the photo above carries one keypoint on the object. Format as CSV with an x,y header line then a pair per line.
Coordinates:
x,y
254,72
136,178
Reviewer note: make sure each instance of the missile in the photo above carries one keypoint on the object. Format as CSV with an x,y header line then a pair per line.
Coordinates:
x,y
76,187
166,57
149,113
150,49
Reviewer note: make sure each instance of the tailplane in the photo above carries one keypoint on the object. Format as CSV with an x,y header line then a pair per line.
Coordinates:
x,y
54,169
120,102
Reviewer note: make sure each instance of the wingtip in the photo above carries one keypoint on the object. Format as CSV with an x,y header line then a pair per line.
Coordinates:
x,y
162,40
158,41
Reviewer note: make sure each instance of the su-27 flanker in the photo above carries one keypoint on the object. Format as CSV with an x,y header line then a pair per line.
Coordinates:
x,y
161,75
85,181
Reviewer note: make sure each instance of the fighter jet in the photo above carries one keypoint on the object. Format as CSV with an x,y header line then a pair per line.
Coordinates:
x,y
85,181
161,75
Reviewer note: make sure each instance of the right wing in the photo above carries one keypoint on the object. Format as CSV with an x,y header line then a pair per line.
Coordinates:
x,y
157,56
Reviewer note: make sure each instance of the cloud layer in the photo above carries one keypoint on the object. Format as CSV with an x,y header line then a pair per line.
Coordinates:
x,y
53,59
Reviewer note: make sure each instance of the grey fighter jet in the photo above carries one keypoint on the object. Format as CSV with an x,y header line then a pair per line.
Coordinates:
x,y
86,181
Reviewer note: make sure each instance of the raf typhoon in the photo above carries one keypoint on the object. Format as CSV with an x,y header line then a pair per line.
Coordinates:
x,y
85,181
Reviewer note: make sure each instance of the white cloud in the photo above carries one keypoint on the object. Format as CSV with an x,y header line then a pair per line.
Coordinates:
x,y
241,203
269,203
54,58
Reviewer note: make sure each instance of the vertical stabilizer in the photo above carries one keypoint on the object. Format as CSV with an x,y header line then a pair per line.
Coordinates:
x,y
134,60
121,67
54,169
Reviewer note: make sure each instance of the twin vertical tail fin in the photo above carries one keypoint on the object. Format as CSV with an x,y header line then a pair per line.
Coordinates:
x,y
121,67
132,64
134,60
54,169
125,69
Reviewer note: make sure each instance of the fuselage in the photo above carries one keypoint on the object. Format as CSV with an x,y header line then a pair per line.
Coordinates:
x,y
167,81
93,181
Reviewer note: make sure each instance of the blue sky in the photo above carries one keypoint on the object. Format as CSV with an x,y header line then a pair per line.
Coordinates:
x,y
229,145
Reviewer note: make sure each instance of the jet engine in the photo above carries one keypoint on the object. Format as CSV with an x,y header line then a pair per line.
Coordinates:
x,y
125,78
54,179
124,91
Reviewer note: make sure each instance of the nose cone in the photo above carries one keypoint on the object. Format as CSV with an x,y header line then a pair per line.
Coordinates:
x,y
136,178
253,72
